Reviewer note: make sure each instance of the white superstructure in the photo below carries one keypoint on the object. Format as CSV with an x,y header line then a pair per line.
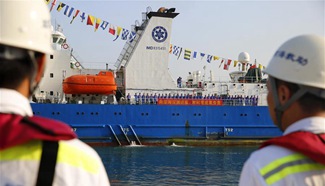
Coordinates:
x,y
142,68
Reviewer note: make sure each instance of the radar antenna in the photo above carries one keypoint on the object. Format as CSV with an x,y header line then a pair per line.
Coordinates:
x,y
149,9
137,23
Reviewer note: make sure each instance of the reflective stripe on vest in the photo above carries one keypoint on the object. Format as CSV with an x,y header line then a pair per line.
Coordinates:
x,y
280,168
67,154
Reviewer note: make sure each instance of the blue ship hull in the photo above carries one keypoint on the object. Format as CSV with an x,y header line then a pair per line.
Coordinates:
x,y
122,124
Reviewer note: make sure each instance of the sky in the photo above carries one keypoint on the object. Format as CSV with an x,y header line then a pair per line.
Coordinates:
x,y
221,28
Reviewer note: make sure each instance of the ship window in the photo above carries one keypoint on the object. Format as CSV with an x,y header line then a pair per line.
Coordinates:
x,y
61,41
55,39
51,93
51,75
51,56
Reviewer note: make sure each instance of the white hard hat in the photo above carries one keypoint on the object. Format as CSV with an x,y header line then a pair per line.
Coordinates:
x,y
300,60
25,24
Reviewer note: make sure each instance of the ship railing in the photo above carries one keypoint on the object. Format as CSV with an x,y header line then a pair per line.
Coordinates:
x,y
204,84
127,51
250,101
240,102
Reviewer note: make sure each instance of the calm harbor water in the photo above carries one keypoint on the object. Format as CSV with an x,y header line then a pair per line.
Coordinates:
x,y
171,165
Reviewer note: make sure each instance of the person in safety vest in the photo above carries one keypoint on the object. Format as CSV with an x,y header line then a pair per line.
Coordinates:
x,y
35,150
296,102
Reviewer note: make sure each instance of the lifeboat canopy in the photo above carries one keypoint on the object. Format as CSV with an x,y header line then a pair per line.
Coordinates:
x,y
101,83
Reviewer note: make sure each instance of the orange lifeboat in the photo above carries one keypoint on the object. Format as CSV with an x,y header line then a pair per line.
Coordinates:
x,y
101,83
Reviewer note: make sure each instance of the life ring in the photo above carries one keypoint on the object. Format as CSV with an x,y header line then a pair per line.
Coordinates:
x,y
77,64
65,46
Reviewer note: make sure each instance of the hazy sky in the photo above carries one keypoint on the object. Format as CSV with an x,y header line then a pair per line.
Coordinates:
x,y
221,28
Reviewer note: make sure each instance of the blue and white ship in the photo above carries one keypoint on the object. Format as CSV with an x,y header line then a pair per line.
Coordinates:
x,y
193,108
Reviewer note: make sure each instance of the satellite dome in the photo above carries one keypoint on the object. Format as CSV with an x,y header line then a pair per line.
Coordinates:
x,y
244,57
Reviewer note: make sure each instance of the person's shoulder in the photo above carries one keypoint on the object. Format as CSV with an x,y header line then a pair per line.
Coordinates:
x,y
81,146
264,156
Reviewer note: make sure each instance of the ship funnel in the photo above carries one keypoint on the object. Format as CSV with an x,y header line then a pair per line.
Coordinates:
x,y
146,58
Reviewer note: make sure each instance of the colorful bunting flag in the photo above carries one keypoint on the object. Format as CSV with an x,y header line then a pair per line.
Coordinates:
x,y
83,16
125,34
75,15
111,29
47,1
180,53
235,63
90,20
229,62
187,54
104,25
215,58
60,6
119,29
98,21
132,36
194,55
226,65
68,11
202,55
170,48
209,58
221,62
176,50
53,4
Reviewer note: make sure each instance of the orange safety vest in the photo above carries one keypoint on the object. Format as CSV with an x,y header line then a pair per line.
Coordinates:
x,y
16,130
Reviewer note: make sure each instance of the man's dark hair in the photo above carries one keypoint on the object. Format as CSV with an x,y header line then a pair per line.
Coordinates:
x,y
310,103
14,71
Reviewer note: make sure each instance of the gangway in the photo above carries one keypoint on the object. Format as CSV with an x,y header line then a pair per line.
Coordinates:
x,y
135,135
115,135
126,137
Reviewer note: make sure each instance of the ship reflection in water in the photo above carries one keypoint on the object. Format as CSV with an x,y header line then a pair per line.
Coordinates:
x,y
174,165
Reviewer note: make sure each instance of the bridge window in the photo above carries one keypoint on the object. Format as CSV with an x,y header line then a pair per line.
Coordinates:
x,y
61,41
55,39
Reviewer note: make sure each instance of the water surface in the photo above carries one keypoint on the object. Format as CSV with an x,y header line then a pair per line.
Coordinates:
x,y
174,165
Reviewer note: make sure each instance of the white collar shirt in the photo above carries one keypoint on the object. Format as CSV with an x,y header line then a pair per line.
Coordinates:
x,y
12,102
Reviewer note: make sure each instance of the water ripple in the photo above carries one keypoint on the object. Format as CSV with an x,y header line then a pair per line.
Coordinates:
x,y
173,165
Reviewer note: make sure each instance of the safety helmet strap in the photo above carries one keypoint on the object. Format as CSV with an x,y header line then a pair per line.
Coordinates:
x,y
32,83
314,91
279,109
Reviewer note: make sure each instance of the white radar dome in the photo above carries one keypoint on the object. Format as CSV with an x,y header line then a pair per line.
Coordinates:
x,y
244,57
